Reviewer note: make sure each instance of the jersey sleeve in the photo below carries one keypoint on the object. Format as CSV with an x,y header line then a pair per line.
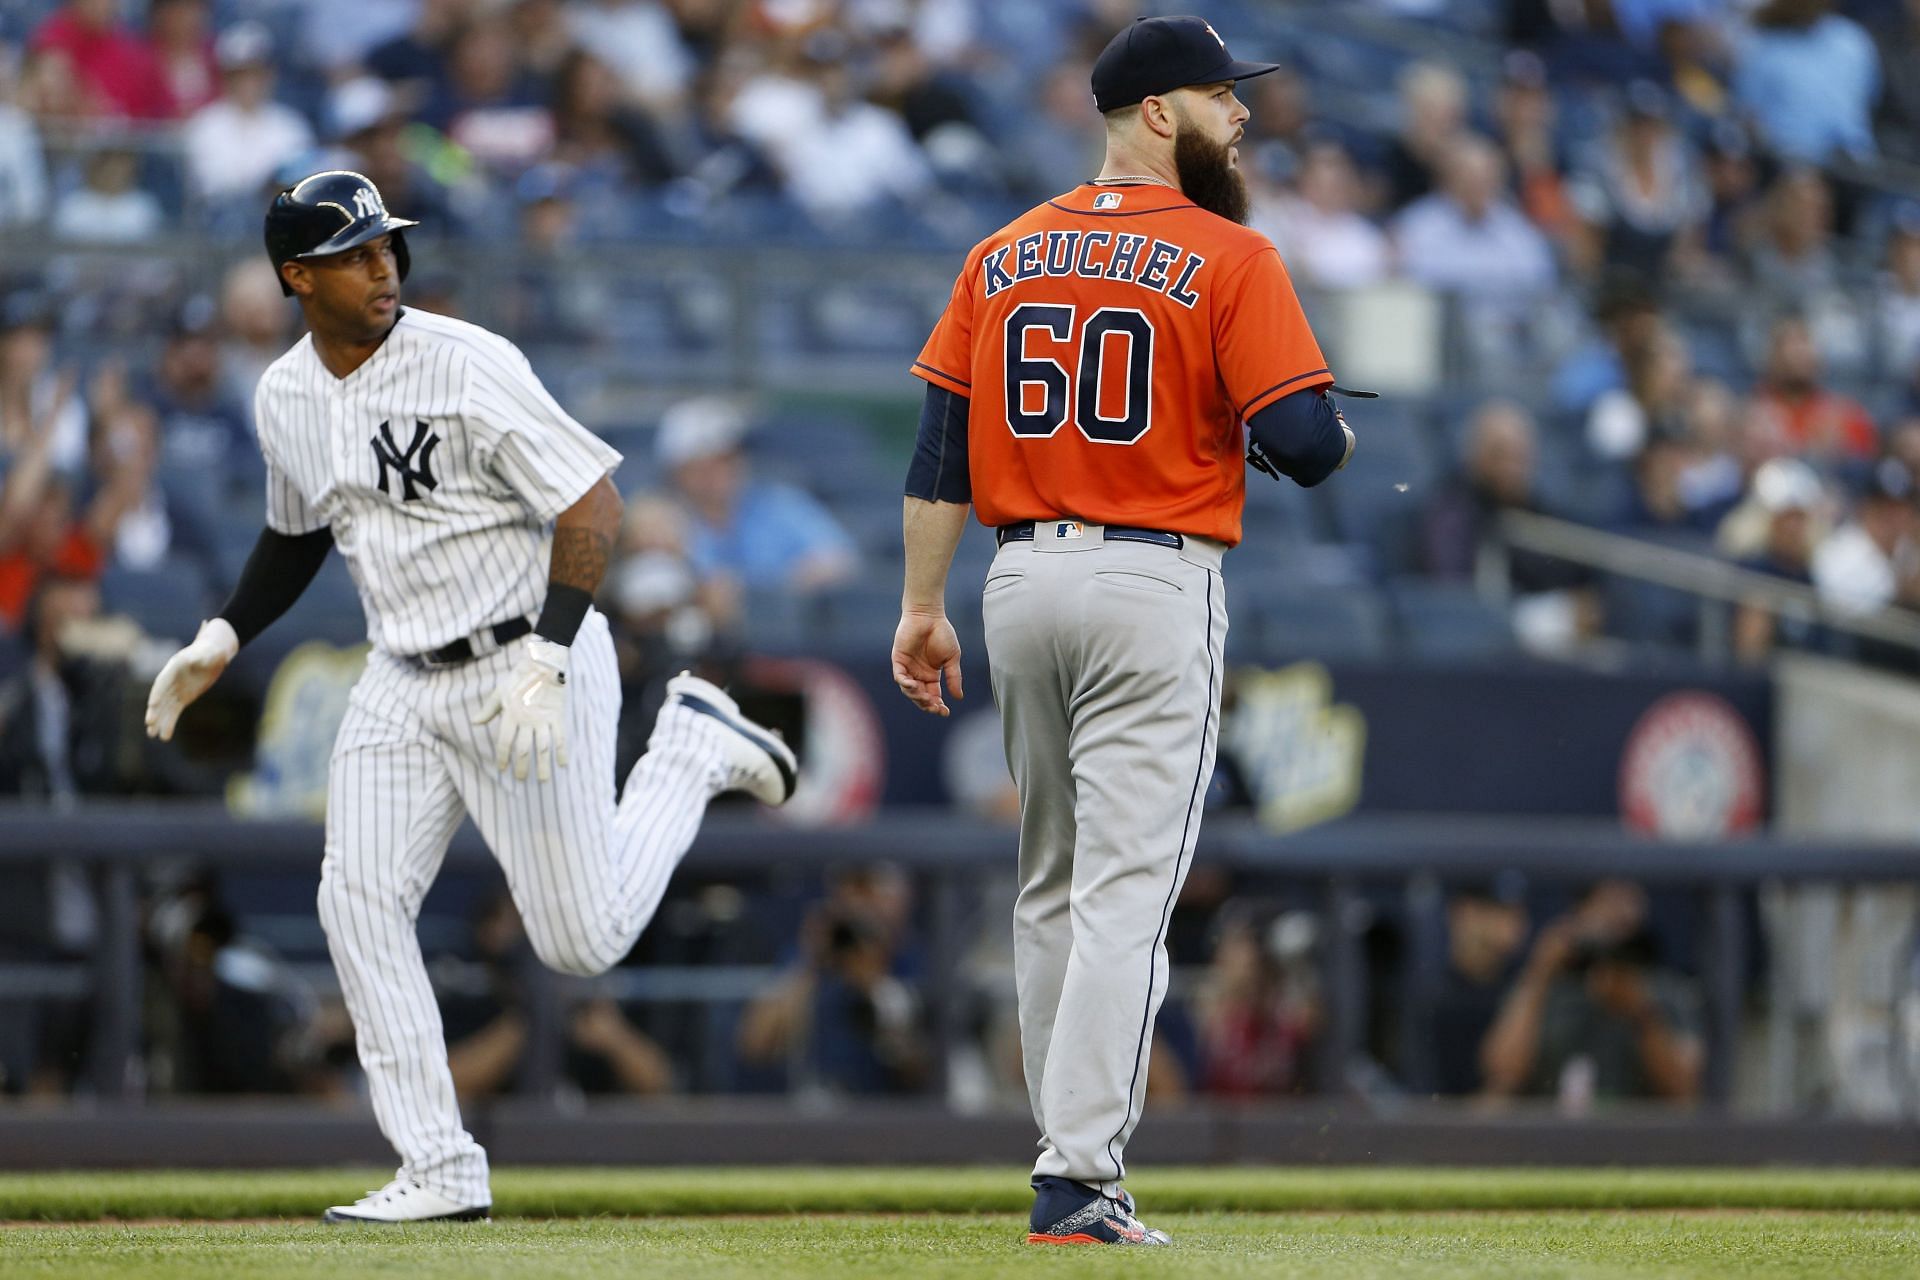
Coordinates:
x,y
534,446
947,359
1265,348
288,511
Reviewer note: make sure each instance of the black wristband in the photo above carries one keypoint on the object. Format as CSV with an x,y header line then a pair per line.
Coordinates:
x,y
561,616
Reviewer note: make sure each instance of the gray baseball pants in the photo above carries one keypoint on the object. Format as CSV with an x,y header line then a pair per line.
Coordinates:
x,y
1106,659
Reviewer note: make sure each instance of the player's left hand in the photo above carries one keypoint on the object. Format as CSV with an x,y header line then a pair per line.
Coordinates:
x,y
925,648
532,709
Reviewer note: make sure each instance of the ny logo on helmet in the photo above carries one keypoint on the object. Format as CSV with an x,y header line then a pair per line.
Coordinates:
x,y
414,465
366,204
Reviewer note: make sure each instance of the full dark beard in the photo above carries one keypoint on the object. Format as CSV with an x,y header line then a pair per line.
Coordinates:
x,y
1205,176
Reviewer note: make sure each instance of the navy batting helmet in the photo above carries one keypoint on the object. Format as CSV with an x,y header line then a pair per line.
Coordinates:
x,y
328,213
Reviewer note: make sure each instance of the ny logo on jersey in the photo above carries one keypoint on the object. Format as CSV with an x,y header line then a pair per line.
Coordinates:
x,y
414,465
366,204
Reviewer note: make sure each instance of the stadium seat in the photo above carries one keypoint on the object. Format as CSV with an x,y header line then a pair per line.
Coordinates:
x,y
1325,623
169,600
1448,621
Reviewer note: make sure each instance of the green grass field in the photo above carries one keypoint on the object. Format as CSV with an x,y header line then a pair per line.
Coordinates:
x,y
1444,1224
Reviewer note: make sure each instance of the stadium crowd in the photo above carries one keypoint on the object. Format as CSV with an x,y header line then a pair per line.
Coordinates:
x,y
1678,242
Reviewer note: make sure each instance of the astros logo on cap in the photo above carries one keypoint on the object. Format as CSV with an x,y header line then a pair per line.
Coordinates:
x,y
1214,34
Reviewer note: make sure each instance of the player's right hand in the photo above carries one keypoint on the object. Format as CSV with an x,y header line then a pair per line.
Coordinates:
x,y
188,674
925,648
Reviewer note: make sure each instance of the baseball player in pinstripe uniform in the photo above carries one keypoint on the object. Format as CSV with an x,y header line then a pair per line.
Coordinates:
x,y
477,518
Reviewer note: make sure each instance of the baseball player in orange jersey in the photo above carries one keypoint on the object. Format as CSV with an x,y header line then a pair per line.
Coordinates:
x,y
1086,394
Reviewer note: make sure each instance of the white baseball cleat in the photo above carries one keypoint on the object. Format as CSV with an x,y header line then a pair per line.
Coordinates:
x,y
404,1200
757,762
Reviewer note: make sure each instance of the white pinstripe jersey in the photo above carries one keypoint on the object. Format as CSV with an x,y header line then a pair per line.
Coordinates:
x,y
439,465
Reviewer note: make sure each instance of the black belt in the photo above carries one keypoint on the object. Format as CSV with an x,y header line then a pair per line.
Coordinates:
x,y
461,650
1023,532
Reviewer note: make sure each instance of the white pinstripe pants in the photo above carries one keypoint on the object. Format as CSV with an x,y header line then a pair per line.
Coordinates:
x,y
585,874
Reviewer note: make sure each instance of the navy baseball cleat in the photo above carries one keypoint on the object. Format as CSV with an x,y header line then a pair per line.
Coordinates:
x,y
758,762
1069,1212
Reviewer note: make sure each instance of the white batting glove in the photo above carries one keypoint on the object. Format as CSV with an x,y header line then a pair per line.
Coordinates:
x,y
188,674
532,708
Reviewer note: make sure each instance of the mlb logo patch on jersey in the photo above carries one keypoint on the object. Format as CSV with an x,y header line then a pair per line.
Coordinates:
x,y
1107,200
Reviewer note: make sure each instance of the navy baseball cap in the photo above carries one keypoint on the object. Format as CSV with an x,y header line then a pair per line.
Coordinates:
x,y
1159,55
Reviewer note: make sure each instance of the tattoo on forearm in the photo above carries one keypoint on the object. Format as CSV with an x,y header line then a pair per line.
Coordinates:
x,y
580,558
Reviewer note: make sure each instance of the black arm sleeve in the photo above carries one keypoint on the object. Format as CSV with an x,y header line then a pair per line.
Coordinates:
x,y
276,573
1301,435
938,472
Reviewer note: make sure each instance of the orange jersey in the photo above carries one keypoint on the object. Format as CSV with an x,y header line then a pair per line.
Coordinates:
x,y
1111,344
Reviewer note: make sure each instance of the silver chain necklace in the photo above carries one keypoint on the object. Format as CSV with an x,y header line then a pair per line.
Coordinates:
x,y
1132,177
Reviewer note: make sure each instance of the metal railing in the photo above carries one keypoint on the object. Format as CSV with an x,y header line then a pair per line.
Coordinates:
x,y
1701,575
1348,866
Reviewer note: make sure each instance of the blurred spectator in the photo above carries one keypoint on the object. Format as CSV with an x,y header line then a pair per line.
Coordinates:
x,y
1628,319
236,143
336,39
416,59
1808,77
258,324
370,122
1592,1015
23,167
1897,42
1433,114
111,208
1873,560
846,1019
115,71
208,466
65,719
1486,925
1061,142
1814,421
1788,493
129,511
1899,295
1733,186
1319,232
596,130
1499,474
1524,117
1639,196
1258,1009
486,104
229,1014
541,35
1468,239
1716,478
842,154
1461,537
43,418
1657,502
664,619
1652,403
484,1013
179,35
1282,106
639,40
908,82
758,533
1793,258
